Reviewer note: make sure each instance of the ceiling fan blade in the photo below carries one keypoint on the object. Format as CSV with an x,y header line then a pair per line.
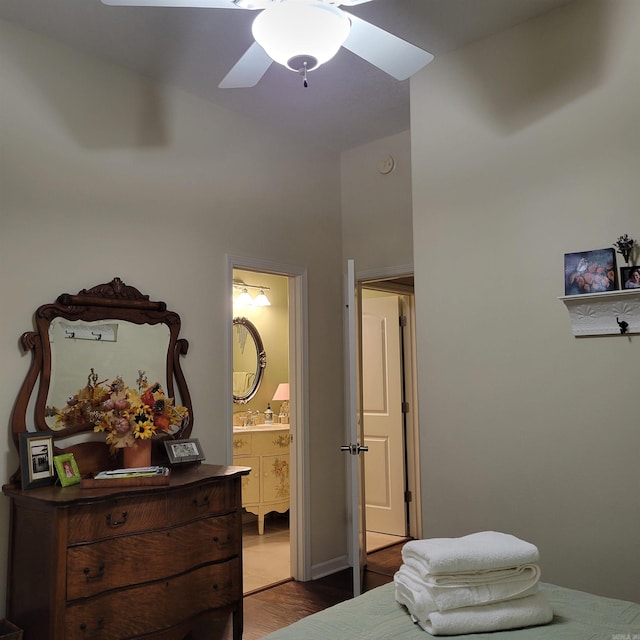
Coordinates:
x,y
248,70
205,4
382,49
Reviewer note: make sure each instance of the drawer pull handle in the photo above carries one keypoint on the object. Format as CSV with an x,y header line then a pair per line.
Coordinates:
x,y
222,543
117,523
97,576
203,503
99,625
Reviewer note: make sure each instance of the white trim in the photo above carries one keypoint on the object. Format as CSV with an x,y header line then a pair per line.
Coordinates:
x,y
300,529
384,273
330,567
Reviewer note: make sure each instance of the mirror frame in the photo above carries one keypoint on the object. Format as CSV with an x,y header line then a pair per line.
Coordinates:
x,y
261,357
110,301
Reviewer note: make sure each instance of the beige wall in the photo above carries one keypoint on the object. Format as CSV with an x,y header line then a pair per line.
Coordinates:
x,y
526,146
105,174
376,207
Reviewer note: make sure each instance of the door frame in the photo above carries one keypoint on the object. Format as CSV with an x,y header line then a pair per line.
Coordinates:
x,y
299,521
377,279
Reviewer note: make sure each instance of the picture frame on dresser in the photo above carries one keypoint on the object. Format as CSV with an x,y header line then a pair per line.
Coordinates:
x,y
67,469
184,451
36,459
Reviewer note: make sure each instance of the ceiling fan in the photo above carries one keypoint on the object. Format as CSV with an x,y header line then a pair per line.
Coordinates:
x,y
301,35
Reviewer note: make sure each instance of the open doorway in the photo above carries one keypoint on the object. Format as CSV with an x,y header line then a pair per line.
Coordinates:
x,y
261,427
390,412
274,445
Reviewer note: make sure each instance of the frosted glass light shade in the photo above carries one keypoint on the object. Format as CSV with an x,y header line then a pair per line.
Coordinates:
x,y
245,299
261,300
300,31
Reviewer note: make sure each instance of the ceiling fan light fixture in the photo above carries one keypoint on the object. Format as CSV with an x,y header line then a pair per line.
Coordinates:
x,y
301,33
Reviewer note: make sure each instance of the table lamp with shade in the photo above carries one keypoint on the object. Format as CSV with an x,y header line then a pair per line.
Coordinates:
x,y
282,394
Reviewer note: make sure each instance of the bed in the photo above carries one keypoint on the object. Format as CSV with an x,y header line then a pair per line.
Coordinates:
x,y
376,615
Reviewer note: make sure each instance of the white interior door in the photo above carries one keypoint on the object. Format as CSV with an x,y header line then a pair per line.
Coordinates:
x,y
383,415
354,447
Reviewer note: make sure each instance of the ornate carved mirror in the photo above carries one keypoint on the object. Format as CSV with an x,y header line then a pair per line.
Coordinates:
x,y
249,360
108,332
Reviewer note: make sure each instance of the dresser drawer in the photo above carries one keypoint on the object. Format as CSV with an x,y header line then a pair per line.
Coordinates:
x,y
199,502
154,607
127,560
116,517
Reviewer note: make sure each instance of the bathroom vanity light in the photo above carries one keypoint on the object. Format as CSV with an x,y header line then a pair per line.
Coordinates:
x,y
261,300
245,299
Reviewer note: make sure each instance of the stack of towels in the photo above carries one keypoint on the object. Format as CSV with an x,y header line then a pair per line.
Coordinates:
x,y
486,581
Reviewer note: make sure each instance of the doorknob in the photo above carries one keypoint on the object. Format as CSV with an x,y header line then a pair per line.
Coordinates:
x,y
354,449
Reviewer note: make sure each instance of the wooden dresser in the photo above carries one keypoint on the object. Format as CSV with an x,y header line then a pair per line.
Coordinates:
x,y
125,563
264,448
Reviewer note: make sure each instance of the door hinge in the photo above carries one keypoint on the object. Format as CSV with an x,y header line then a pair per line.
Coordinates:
x,y
407,496
403,321
405,407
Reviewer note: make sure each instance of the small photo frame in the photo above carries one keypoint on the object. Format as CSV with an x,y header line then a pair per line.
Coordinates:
x,y
36,459
180,451
590,272
67,469
630,277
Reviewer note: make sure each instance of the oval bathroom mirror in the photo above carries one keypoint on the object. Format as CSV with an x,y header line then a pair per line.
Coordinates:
x,y
249,360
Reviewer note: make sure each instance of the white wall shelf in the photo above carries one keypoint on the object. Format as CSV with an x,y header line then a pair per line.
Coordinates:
x,y
599,313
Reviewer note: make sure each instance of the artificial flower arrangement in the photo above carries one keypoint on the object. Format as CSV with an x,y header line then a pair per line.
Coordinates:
x,y
124,414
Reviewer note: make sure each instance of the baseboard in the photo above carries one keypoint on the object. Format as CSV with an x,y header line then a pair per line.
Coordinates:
x,y
330,566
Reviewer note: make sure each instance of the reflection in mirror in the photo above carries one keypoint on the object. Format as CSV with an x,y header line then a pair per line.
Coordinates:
x,y
112,347
249,360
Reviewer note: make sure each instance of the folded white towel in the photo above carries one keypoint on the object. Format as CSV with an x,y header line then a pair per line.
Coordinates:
x,y
411,592
514,614
422,597
486,550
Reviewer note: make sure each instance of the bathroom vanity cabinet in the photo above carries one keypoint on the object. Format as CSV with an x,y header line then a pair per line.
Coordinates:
x,y
264,448
134,562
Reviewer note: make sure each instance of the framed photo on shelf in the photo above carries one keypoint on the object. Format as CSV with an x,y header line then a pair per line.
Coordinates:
x,y
180,451
36,459
67,469
590,272
630,277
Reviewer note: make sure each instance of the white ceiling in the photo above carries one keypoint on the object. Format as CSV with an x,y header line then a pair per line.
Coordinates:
x,y
348,102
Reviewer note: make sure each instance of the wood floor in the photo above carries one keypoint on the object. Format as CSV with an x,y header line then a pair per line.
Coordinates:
x,y
279,606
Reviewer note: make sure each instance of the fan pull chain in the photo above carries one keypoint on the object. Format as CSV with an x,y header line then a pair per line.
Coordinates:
x,y
303,71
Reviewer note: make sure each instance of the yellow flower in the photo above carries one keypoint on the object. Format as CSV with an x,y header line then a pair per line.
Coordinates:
x,y
141,419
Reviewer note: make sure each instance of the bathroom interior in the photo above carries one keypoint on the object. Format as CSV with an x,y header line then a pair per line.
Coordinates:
x,y
261,429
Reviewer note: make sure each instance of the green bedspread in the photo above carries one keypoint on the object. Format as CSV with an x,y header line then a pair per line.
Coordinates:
x,y
377,616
